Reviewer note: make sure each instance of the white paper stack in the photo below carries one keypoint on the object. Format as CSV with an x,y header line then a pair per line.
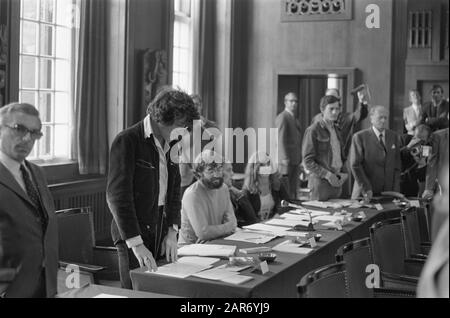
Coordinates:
x,y
212,250
289,247
252,237
179,270
221,274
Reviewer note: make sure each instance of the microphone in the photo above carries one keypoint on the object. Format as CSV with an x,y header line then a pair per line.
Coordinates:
x,y
286,204
310,226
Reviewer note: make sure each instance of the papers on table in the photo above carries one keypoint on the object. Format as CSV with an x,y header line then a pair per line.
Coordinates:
x,y
275,230
289,247
213,250
252,237
288,222
180,270
309,211
204,261
223,275
330,218
326,204
109,296
233,268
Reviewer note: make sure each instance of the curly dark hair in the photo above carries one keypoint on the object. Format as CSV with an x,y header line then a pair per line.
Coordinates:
x,y
170,105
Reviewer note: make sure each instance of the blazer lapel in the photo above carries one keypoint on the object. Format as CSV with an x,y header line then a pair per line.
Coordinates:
x,y
376,140
8,180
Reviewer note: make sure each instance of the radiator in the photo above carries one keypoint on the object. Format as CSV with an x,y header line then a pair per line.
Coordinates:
x,y
85,193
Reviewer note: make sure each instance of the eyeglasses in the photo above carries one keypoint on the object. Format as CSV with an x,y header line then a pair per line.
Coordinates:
x,y
22,131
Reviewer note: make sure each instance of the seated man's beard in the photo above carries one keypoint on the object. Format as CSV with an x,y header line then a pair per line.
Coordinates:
x,y
213,183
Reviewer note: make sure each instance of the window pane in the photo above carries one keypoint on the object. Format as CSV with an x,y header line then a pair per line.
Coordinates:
x,y
184,82
45,143
62,108
29,9
176,59
28,97
45,74
176,33
186,7
63,42
47,10
184,61
45,107
61,141
184,36
29,35
64,12
46,42
176,80
28,75
62,75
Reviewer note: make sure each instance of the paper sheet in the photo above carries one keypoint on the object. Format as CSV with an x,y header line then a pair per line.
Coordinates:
x,y
252,237
288,222
179,270
233,268
215,274
109,296
213,250
330,218
237,279
203,261
289,247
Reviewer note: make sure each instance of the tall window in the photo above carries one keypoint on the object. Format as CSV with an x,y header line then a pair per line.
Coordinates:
x,y
47,70
182,45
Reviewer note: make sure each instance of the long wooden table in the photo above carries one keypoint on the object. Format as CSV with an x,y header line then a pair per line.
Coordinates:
x,y
284,273
92,290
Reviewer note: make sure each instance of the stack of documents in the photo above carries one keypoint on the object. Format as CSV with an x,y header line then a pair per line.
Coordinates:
x,y
213,250
290,247
252,237
180,270
221,274
288,222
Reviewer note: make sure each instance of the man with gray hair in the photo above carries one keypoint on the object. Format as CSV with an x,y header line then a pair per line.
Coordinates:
x,y
375,157
28,227
206,209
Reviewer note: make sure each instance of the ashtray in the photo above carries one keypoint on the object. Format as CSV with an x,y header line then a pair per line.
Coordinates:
x,y
317,237
267,256
357,218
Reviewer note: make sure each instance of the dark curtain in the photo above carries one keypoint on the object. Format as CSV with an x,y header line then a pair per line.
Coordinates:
x,y
91,144
204,65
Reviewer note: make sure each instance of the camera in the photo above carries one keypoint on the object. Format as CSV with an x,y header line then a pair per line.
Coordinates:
x,y
420,150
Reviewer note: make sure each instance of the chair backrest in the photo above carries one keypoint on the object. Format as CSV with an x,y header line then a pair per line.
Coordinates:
x,y
388,247
76,235
357,255
411,232
325,282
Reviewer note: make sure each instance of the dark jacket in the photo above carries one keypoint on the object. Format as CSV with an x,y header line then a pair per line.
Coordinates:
x,y
317,152
278,195
372,168
435,117
133,189
24,245
289,138
348,124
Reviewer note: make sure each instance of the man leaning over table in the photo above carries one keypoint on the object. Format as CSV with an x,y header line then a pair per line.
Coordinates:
x,y
207,212
143,191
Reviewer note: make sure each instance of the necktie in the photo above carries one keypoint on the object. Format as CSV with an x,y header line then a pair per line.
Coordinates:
x,y
382,143
33,195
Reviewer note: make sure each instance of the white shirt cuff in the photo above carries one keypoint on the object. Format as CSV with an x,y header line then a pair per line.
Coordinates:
x,y
134,241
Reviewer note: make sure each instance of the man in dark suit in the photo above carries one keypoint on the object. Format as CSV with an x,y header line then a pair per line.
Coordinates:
x,y
375,157
143,190
28,227
289,143
435,112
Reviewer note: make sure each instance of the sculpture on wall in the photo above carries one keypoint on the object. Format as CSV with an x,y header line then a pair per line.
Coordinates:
x,y
155,73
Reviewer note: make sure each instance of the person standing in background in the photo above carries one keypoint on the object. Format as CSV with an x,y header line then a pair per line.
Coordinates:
x,y
412,115
289,143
